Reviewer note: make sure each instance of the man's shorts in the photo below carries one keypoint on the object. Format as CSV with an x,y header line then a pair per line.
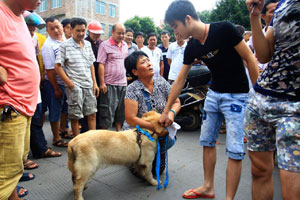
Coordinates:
x,y
14,148
231,106
56,106
82,102
112,107
272,123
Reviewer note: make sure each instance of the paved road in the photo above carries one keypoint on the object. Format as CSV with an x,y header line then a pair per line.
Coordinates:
x,y
53,179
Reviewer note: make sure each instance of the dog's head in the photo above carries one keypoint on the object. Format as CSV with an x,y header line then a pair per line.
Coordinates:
x,y
153,117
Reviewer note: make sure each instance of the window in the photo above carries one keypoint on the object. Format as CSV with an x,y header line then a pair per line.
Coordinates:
x,y
43,6
109,30
103,27
56,3
112,10
100,7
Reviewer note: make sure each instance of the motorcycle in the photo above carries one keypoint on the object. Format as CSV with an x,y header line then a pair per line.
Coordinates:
x,y
192,98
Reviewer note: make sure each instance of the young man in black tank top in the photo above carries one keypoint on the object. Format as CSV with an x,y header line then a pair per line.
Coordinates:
x,y
223,49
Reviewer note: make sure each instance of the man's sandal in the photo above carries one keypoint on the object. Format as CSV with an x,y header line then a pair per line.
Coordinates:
x,y
60,143
66,135
29,164
51,153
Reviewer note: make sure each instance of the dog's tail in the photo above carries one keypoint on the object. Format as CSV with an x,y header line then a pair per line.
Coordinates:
x,y
71,158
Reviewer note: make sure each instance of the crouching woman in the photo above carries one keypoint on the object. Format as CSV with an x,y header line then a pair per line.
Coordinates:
x,y
144,94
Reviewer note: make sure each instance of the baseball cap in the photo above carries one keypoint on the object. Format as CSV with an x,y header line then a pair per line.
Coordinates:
x,y
33,19
95,27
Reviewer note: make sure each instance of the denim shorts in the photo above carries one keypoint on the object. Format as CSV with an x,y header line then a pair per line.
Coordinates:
x,y
230,106
56,106
272,123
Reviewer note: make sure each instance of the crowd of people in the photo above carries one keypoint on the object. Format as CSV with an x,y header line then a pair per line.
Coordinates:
x,y
95,84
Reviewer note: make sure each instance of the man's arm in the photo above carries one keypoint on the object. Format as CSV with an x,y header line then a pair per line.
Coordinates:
x,y
161,63
169,62
95,86
3,75
175,91
101,70
251,63
52,79
61,73
263,45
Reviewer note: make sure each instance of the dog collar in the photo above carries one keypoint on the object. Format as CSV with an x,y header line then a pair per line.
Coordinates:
x,y
142,132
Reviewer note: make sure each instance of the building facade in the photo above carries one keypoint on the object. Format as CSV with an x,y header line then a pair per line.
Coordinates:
x,y
104,11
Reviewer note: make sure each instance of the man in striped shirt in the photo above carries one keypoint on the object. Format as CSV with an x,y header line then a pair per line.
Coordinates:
x,y
77,56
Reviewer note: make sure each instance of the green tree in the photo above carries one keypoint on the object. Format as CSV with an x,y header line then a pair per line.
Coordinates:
x,y
144,24
205,16
234,11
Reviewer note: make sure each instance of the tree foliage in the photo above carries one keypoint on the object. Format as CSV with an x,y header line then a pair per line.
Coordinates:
x,y
144,24
234,11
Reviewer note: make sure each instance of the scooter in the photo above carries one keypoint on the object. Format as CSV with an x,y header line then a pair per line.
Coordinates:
x,y
192,98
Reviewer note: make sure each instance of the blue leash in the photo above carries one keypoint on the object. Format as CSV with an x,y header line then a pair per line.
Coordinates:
x,y
158,163
144,133
148,103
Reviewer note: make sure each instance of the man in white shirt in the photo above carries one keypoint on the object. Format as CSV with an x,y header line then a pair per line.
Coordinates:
x,y
155,54
53,94
175,57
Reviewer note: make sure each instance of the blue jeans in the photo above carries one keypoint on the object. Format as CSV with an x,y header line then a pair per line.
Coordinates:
x,y
231,106
56,106
38,143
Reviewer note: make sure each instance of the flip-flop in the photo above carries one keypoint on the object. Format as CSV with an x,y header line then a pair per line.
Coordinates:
x,y
26,177
29,164
197,195
60,143
21,195
66,135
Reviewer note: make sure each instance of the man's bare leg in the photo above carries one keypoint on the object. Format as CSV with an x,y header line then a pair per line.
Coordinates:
x,y
63,121
262,168
75,126
118,126
14,194
55,131
92,121
233,174
290,185
209,161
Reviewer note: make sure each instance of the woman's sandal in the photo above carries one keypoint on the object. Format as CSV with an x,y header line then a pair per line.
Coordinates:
x,y
51,153
60,143
29,164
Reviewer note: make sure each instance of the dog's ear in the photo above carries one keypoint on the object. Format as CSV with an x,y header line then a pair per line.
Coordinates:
x,y
153,117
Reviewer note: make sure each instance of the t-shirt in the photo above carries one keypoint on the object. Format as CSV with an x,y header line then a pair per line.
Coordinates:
x,y
166,64
175,53
17,56
218,53
281,78
113,56
49,52
77,62
155,57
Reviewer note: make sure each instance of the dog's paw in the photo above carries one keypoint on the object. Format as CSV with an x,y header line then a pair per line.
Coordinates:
x,y
153,182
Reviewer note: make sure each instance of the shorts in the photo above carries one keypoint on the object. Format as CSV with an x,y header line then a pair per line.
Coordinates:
x,y
272,123
82,102
14,148
230,106
111,106
56,106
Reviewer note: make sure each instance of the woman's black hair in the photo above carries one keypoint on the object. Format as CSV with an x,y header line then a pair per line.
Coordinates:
x,y
131,62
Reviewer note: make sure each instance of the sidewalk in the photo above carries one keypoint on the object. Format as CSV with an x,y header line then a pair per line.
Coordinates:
x,y
53,179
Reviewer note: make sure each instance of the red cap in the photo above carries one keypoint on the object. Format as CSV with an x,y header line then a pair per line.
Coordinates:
x,y
95,27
